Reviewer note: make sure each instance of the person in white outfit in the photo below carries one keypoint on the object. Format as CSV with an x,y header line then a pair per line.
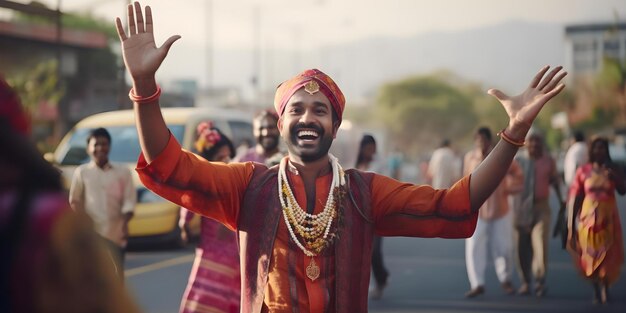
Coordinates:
x,y
444,168
575,157
495,225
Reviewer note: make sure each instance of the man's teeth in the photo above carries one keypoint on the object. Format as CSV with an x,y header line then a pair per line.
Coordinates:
x,y
307,133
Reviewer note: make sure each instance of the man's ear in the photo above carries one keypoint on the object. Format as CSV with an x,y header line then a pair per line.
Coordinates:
x,y
279,124
336,125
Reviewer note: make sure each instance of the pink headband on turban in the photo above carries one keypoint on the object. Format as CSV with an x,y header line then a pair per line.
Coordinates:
x,y
326,85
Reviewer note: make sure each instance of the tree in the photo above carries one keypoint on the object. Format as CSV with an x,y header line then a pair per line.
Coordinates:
x,y
420,111
610,90
38,85
38,88
71,20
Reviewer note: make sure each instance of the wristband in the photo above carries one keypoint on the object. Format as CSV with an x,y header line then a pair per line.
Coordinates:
x,y
140,100
508,139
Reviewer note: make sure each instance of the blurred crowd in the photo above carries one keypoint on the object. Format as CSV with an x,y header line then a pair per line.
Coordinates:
x,y
60,252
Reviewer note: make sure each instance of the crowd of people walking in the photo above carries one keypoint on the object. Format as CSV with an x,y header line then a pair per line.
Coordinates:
x,y
286,228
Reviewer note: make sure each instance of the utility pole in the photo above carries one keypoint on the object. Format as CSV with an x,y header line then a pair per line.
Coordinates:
x,y
256,56
122,98
61,126
209,44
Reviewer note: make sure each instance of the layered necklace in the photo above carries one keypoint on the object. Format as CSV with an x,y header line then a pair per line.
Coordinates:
x,y
311,232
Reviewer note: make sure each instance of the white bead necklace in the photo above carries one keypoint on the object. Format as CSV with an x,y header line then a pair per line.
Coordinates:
x,y
311,225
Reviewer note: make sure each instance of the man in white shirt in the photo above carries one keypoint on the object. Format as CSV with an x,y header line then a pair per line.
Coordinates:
x,y
493,236
105,192
444,167
575,157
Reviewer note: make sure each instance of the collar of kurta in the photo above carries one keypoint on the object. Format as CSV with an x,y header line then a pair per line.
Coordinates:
x,y
106,167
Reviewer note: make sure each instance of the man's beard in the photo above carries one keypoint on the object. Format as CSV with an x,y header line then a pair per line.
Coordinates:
x,y
323,146
268,145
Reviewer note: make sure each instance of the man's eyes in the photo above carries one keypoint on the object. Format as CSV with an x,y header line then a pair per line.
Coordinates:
x,y
296,110
319,111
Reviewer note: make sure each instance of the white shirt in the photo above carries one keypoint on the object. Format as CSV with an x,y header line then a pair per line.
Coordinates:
x,y
444,167
107,195
575,157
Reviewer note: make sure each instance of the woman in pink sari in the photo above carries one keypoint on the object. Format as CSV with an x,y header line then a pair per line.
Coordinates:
x,y
215,280
595,233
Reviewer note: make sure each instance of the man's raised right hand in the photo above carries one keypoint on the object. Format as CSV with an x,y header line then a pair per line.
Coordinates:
x,y
141,55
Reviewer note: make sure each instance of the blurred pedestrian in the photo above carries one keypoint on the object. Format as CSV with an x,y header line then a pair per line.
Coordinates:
x,y
532,213
365,162
576,156
214,283
266,150
444,168
51,259
105,192
305,226
494,231
595,233
394,163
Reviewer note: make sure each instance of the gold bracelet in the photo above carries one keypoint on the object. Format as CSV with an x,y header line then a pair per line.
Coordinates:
x,y
508,139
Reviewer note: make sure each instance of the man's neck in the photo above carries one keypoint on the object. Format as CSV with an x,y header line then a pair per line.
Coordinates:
x,y
309,171
266,153
102,164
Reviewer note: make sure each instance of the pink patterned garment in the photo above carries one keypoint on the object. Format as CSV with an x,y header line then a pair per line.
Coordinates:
x,y
215,280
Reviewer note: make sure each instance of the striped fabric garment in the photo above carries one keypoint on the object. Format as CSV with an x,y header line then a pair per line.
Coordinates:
x,y
214,283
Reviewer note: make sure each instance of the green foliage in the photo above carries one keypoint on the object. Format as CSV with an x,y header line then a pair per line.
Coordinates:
x,y
488,110
609,96
420,111
612,75
600,118
71,20
38,85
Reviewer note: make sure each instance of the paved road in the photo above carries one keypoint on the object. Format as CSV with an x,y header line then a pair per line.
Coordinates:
x,y
427,275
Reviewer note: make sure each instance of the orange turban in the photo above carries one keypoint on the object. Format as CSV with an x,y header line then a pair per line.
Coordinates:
x,y
326,85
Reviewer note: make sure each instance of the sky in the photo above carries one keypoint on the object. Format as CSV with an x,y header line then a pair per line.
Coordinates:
x,y
333,21
308,25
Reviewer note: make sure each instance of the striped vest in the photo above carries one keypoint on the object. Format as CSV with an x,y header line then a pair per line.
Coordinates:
x,y
258,223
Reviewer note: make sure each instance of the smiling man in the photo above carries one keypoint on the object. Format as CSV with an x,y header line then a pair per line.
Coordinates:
x,y
106,193
265,130
305,227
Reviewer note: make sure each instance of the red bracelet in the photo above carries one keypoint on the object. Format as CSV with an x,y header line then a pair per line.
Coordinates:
x,y
508,139
138,99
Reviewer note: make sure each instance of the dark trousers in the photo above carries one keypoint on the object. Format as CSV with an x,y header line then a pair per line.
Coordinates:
x,y
117,255
378,266
532,246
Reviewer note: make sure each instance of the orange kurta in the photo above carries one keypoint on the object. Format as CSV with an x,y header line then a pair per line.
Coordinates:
x,y
216,190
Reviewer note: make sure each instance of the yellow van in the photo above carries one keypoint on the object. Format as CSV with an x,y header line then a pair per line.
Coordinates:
x,y
155,219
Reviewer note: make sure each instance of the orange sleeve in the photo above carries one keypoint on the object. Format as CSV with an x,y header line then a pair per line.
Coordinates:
x,y
211,189
402,209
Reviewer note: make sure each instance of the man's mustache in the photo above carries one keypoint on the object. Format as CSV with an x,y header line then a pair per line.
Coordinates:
x,y
300,126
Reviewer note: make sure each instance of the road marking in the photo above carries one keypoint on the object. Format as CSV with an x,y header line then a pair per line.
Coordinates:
x,y
159,265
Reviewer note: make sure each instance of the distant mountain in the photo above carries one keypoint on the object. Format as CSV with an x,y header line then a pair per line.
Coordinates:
x,y
504,56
